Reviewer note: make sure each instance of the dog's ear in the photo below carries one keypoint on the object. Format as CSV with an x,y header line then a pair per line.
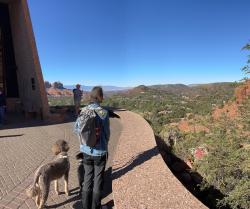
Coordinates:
x,y
55,149
60,146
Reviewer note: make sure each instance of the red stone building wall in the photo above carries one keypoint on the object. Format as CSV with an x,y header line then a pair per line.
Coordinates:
x,y
30,79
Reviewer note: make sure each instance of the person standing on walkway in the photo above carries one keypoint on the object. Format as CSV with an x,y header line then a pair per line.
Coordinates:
x,y
2,106
95,157
77,92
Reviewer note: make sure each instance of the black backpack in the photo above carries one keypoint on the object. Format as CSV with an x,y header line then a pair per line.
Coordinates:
x,y
88,127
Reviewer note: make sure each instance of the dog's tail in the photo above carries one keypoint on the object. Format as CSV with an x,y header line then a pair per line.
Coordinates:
x,y
34,189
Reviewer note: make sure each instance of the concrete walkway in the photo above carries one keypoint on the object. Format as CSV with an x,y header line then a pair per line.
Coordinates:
x,y
141,179
24,149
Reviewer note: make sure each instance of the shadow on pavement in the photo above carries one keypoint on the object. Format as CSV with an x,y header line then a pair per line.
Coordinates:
x,y
58,115
74,198
18,120
135,161
107,182
77,205
9,136
110,204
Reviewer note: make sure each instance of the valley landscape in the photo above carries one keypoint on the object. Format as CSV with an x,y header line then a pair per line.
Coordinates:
x,y
206,126
202,132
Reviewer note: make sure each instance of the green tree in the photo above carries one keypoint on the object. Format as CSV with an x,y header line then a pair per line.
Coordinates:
x,y
246,68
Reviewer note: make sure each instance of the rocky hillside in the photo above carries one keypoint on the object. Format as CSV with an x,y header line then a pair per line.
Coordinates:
x,y
222,141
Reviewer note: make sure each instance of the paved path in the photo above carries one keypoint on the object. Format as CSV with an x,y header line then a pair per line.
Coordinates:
x,y
24,149
141,179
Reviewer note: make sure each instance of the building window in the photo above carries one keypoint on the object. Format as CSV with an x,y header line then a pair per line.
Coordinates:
x,y
33,86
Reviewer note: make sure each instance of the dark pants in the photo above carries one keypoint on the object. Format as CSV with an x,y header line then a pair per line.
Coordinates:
x,y
80,175
2,111
94,168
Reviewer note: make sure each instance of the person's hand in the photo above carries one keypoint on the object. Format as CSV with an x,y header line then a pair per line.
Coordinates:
x,y
112,114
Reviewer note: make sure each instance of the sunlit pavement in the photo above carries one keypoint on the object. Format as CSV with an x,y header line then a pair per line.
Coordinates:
x,y
24,149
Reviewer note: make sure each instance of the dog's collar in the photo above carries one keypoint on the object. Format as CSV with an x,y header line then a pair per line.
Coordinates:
x,y
63,156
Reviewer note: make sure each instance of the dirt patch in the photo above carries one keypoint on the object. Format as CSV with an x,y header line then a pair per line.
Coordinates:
x,y
185,126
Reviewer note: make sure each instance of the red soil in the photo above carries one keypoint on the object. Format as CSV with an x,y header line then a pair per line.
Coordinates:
x,y
231,110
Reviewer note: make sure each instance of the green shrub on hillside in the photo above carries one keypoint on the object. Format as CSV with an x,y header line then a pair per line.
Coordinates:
x,y
226,167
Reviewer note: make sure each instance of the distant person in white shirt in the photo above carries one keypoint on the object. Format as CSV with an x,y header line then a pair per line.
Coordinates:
x,y
77,98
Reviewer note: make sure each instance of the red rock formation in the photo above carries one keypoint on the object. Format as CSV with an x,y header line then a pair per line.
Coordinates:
x,y
59,92
231,110
242,92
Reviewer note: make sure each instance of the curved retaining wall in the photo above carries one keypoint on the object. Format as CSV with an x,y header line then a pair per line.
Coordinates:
x,y
141,179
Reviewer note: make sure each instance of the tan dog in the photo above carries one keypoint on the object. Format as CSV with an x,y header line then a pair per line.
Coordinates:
x,y
51,172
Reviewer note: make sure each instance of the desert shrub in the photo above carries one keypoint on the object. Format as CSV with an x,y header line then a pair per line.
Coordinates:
x,y
226,167
60,101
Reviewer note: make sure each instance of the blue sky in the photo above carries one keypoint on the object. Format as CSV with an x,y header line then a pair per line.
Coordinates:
x,y
133,42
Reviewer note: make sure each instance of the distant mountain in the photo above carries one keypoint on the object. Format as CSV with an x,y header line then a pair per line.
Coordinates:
x,y
139,89
179,89
196,89
206,84
105,88
193,90
145,92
